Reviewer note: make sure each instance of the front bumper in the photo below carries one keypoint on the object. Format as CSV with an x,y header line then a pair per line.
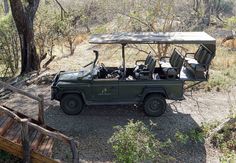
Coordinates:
x,y
53,93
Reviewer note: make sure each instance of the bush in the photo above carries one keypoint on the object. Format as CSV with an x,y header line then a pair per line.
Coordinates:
x,y
9,47
45,30
136,143
231,23
225,140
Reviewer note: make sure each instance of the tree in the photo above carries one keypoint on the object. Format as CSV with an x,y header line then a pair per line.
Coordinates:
x,y
206,8
207,12
6,7
23,14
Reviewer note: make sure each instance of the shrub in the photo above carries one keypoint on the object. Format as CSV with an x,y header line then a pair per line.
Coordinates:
x,y
9,47
136,143
231,23
45,30
225,140
68,32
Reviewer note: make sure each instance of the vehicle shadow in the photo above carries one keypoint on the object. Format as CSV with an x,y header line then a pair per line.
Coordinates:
x,y
95,125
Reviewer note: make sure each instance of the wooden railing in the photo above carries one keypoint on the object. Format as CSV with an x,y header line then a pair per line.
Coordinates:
x,y
25,126
40,99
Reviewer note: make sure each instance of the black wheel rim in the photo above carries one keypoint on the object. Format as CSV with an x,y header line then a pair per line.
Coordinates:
x,y
71,104
155,105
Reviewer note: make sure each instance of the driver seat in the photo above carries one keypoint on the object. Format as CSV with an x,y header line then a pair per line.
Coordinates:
x,y
146,73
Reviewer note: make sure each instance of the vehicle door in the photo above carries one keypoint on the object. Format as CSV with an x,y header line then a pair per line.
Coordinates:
x,y
130,90
104,90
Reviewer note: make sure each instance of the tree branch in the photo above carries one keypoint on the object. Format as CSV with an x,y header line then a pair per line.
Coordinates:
x,y
60,6
32,8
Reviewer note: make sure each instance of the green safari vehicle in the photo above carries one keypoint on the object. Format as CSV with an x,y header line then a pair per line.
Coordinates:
x,y
149,83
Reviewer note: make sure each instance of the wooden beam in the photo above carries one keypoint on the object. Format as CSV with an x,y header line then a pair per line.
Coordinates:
x,y
55,135
16,150
25,140
41,109
14,89
7,124
10,113
74,150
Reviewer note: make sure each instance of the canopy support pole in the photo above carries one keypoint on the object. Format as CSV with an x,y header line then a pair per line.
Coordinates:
x,y
123,57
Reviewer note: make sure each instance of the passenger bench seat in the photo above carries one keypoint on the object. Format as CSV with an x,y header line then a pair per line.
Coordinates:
x,y
172,68
201,61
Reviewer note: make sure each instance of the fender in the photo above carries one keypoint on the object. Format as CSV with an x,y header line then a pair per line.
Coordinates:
x,y
147,91
59,96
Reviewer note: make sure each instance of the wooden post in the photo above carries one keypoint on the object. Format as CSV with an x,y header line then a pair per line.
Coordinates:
x,y
74,150
25,140
41,109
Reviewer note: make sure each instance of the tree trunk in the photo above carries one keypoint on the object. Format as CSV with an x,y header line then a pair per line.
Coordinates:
x,y
23,17
6,7
207,13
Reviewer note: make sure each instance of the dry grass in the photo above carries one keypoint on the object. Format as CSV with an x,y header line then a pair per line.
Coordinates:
x,y
224,59
223,69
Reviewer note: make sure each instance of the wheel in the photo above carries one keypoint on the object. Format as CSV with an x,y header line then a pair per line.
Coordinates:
x,y
72,104
155,105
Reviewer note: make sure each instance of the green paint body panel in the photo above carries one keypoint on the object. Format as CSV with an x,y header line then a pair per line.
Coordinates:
x,y
113,91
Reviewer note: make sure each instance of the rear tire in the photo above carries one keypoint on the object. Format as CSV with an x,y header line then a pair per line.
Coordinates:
x,y
72,104
155,105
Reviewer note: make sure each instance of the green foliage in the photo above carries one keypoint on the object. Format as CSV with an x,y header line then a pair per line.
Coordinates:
x,y
227,6
68,31
222,79
9,46
100,29
45,28
225,140
136,143
181,137
4,155
231,23
195,135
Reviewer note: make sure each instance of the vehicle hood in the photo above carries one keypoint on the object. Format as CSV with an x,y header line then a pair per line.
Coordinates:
x,y
69,76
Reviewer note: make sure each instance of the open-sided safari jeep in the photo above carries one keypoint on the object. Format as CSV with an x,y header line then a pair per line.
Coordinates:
x,y
149,82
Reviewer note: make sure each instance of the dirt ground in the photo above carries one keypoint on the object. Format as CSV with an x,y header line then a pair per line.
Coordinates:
x,y
94,126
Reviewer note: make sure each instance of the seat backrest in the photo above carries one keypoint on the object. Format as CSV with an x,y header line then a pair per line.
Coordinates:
x,y
179,63
173,57
177,60
203,55
148,59
151,66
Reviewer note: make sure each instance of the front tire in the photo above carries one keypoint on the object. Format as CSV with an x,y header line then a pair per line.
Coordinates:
x,y
72,104
155,105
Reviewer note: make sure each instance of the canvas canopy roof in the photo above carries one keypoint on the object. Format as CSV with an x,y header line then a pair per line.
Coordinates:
x,y
154,38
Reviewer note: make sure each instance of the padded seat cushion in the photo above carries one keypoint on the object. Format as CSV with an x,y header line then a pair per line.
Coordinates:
x,y
165,64
191,61
170,71
172,67
201,60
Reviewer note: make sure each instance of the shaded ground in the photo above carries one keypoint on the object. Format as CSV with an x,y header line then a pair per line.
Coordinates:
x,y
94,126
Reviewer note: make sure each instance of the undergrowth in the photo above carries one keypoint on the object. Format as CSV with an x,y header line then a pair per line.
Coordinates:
x,y
222,73
136,143
224,139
